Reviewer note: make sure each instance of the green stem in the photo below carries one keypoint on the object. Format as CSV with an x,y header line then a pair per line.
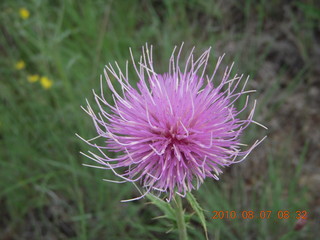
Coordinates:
x,y
180,219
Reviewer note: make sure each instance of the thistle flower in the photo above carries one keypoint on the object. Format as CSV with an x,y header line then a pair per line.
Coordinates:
x,y
175,130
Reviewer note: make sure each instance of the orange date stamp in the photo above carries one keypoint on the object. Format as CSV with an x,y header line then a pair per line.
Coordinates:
x,y
281,214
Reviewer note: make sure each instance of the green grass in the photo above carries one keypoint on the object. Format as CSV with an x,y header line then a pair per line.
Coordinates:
x,y
44,189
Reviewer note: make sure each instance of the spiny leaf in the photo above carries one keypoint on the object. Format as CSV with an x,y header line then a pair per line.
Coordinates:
x,y
165,207
199,211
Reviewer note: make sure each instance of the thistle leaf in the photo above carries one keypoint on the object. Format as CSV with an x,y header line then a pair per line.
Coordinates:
x,y
165,207
199,211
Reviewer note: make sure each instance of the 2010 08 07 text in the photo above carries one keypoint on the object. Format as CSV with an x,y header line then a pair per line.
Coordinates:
x,y
265,214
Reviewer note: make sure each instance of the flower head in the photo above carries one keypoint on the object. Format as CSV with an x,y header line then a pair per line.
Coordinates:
x,y
175,130
24,13
46,82
20,65
33,78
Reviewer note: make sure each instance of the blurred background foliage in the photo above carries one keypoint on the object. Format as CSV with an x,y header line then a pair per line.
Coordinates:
x,y
52,55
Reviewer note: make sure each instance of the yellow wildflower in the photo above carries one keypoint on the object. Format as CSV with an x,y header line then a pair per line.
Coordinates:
x,y
33,78
46,82
24,13
20,65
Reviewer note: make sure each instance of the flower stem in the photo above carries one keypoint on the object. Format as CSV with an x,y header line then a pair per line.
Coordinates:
x,y
180,219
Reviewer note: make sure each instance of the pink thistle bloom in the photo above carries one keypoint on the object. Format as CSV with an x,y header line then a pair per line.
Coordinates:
x,y
175,129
